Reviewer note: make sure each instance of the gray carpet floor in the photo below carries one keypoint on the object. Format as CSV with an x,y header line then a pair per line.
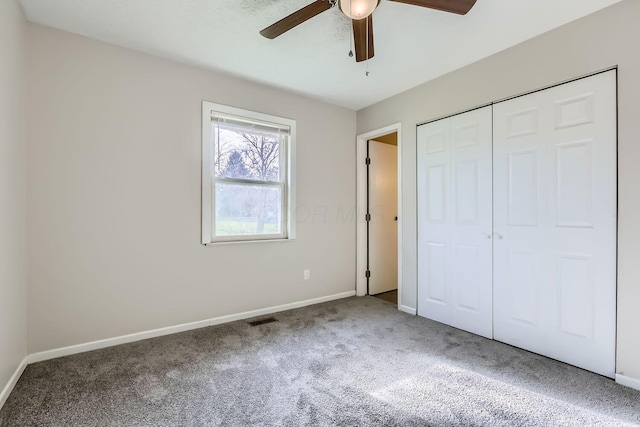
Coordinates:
x,y
353,362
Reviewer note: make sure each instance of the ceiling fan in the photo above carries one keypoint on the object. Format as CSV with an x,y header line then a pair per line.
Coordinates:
x,y
360,13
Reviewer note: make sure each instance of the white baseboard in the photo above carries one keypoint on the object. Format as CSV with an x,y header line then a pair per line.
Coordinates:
x,y
4,395
110,342
628,381
406,309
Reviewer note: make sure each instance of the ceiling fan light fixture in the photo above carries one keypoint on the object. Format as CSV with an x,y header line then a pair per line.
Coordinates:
x,y
358,9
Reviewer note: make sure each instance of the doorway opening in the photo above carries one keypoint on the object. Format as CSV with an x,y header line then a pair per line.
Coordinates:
x,y
382,216
379,208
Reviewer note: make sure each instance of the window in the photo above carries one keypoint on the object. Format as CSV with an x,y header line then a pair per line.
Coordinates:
x,y
247,175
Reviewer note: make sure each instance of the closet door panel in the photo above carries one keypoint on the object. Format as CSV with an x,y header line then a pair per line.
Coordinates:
x,y
471,229
519,222
454,221
555,222
434,222
582,164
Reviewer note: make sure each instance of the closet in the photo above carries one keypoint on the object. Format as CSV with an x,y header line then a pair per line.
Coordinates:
x,y
517,222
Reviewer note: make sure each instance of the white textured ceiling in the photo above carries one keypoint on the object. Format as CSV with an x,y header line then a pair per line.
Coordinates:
x,y
413,44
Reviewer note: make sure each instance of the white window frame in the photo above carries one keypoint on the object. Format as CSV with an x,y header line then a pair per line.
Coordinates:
x,y
287,171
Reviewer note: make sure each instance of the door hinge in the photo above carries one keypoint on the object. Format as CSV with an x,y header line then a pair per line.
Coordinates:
x,y
367,273
368,161
367,217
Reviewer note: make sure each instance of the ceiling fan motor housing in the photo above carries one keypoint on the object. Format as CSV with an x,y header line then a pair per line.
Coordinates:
x,y
358,9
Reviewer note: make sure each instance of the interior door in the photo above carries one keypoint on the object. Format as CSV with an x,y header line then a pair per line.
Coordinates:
x,y
455,221
555,222
383,226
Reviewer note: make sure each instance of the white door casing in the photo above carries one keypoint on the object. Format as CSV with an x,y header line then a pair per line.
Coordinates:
x,y
361,209
383,227
455,221
555,222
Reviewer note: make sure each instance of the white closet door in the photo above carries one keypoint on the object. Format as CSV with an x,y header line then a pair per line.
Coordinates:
x,y
434,221
520,222
454,226
555,222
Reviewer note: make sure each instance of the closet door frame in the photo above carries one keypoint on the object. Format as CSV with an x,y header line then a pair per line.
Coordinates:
x,y
613,68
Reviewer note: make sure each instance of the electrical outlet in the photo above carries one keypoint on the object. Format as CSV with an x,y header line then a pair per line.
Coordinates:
x,y
307,274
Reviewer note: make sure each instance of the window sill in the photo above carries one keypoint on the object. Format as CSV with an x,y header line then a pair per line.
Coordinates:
x,y
235,242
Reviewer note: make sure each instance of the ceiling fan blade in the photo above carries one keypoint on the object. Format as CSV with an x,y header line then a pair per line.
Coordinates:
x,y
296,18
363,38
461,7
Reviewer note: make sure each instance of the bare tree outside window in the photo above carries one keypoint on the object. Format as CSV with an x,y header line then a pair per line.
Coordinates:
x,y
219,154
243,208
263,155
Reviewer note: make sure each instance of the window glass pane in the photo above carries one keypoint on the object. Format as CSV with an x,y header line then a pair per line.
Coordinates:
x,y
246,154
243,210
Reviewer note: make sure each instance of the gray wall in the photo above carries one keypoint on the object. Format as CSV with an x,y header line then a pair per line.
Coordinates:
x,y
13,181
114,196
607,38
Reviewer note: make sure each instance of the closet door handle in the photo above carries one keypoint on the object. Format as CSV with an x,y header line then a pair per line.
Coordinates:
x,y
498,236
